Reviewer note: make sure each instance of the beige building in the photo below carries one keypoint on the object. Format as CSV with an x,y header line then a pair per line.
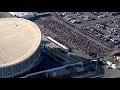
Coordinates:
x,y
19,46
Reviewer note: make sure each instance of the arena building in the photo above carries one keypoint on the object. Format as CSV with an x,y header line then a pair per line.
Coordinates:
x,y
19,46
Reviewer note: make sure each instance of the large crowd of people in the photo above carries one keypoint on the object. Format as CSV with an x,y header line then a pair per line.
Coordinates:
x,y
96,37
85,32
68,36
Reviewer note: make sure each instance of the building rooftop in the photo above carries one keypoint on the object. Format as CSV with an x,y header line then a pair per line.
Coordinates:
x,y
19,39
21,14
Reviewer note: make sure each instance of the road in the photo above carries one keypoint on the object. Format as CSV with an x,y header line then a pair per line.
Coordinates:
x,y
103,70
111,73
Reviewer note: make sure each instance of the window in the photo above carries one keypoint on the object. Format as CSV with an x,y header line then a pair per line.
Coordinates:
x,y
17,68
7,71
25,64
0,72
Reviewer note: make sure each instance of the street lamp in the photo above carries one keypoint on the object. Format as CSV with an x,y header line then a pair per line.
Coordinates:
x,y
97,59
97,64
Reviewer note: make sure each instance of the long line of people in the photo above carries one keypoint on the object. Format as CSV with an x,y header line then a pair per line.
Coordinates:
x,y
66,36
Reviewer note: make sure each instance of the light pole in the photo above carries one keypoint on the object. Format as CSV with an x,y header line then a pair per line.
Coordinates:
x,y
97,65
97,59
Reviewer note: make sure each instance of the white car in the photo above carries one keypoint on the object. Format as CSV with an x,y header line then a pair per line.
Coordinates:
x,y
102,16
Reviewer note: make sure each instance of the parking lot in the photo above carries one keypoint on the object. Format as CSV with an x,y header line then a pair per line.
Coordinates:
x,y
89,32
85,33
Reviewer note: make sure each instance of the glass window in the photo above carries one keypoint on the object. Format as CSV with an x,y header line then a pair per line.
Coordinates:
x,y
0,72
17,68
25,64
7,71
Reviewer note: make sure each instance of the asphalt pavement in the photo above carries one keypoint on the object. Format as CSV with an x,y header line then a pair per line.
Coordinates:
x,y
111,73
103,71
